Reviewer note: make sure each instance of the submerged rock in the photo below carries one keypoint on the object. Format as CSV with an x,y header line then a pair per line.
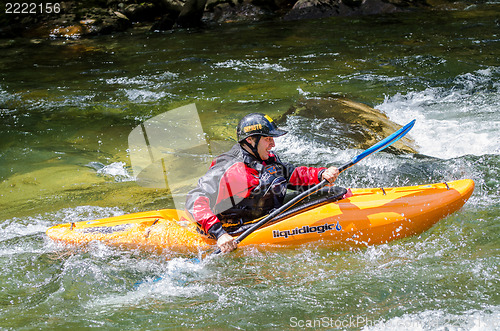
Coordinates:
x,y
366,125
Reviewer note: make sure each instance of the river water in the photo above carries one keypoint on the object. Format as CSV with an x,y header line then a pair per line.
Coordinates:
x,y
68,106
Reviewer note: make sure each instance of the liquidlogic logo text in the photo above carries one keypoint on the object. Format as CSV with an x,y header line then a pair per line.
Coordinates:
x,y
306,229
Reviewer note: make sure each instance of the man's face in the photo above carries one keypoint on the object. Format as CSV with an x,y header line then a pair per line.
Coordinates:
x,y
265,146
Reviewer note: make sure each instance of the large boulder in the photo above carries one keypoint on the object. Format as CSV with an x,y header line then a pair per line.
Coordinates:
x,y
231,11
308,9
364,125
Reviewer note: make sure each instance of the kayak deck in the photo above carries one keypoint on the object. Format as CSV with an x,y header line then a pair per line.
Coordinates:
x,y
370,216
165,228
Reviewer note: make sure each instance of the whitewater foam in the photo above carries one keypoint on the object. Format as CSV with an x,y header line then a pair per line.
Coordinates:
x,y
250,64
452,122
174,282
441,320
116,170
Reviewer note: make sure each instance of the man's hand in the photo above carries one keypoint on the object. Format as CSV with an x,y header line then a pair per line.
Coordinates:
x,y
331,174
226,243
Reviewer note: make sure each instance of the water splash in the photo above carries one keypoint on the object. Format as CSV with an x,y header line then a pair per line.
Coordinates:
x,y
250,64
116,170
177,278
474,320
453,122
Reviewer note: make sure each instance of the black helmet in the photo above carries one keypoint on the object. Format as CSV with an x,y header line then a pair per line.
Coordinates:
x,y
257,124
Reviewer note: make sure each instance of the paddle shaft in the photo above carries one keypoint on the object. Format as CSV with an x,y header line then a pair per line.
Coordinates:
x,y
290,204
374,149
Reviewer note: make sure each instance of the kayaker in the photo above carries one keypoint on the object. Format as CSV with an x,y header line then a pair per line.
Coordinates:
x,y
247,182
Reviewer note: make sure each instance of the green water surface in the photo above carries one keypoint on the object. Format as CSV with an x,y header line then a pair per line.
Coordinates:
x,y
68,106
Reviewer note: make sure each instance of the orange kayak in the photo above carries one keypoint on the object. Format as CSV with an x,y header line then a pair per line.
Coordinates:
x,y
370,216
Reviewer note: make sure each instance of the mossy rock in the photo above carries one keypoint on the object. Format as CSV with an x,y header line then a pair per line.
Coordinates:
x,y
372,123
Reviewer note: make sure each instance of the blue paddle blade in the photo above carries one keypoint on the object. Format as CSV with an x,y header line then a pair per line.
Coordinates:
x,y
384,143
140,282
195,260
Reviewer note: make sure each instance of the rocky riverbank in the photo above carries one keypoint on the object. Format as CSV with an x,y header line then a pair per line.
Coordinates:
x,y
77,19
